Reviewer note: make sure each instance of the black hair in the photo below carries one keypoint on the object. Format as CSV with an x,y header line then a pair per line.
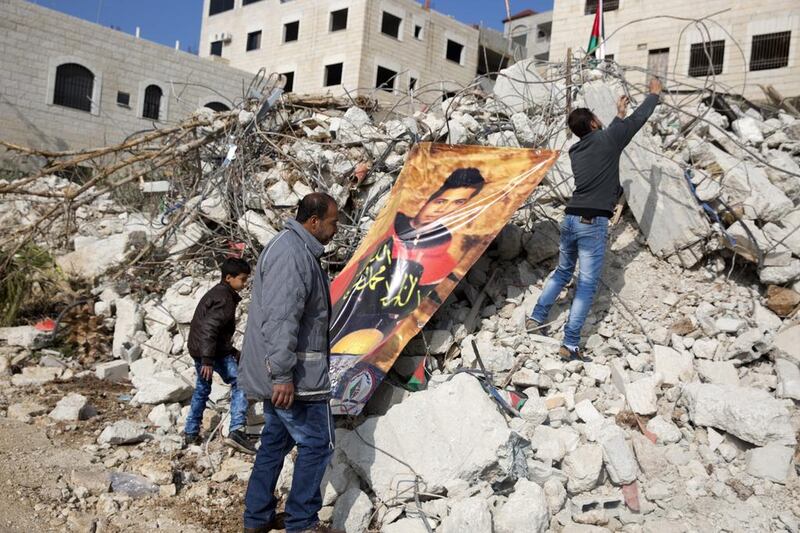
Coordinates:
x,y
469,178
233,266
580,121
314,204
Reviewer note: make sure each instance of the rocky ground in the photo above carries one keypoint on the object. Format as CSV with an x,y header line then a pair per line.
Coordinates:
x,y
685,420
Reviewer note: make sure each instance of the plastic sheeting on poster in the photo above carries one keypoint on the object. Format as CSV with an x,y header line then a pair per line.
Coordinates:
x,y
447,206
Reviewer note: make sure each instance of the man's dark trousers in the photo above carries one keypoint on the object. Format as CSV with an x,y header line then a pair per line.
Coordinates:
x,y
309,425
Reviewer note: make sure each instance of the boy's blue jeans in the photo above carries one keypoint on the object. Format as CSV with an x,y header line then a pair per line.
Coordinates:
x,y
584,244
227,369
309,425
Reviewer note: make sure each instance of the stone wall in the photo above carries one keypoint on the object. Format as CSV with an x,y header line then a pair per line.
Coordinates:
x,y
35,40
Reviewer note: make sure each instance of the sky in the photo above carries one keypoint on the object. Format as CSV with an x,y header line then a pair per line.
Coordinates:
x,y
167,21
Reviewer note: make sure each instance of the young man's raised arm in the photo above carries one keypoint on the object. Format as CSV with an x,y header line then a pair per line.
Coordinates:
x,y
623,129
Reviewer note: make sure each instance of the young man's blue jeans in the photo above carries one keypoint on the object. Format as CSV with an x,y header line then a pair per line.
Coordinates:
x,y
309,425
227,369
584,244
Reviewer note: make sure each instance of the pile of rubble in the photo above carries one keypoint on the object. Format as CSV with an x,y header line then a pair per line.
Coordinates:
x,y
684,420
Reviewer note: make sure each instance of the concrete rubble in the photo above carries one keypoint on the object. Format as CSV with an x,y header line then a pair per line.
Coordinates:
x,y
687,407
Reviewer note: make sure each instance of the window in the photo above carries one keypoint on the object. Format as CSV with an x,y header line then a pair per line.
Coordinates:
x,y
218,6
123,99
385,79
253,40
520,40
291,31
454,51
699,58
608,5
217,106
770,50
390,25
245,2
216,48
289,87
333,74
152,102
449,94
412,84
339,20
609,57
74,87
417,32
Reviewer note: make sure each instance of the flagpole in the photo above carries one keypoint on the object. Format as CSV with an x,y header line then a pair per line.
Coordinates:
x,y
602,51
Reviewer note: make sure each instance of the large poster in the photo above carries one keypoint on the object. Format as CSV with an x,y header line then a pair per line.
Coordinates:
x,y
447,206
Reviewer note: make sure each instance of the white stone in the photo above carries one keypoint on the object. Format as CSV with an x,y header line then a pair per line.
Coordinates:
x,y
496,358
525,510
187,237
730,324
718,372
338,478
406,525
162,387
181,305
618,456
583,467
641,394
112,370
772,462
556,495
27,337
587,412
748,346
130,319
753,415
122,432
352,511
673,366
469,514
788,379
258,226
35,376
164,416
439,447
787,343
520,87
748,130
159,345
93,256
281,195
534,411
779,275
664,430
705,348
598,372
73,407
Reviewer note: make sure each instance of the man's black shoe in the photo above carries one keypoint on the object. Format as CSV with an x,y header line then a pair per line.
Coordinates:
x,y
533,326
190,440
239,441
276,525
569,354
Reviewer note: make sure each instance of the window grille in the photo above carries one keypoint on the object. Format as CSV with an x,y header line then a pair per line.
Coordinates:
x,y
770,50
699,64
74,86
608,5
152,102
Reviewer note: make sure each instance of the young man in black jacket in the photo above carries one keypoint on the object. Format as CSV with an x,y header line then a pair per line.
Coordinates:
x,y
210,334
595,164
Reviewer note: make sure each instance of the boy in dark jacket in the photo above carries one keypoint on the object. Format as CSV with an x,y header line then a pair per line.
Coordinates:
x,y
210,334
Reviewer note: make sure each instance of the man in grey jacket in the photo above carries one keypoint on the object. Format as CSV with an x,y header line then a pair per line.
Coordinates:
x,y
284,363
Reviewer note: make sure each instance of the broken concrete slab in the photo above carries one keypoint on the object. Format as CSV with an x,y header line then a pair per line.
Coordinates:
x,y
664,430
439,447
112,371
787,343
73,407
35,376
258,226
641,394
469,514
519,87
583,467
525,510
718,372
772,462
27,337
93,256
618,456
788,379
752,415
129,320
352,511
163,387
674,366
122,432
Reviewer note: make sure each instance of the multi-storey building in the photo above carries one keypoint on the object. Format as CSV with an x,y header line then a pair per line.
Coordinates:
x,y
350,46
530,31
741,44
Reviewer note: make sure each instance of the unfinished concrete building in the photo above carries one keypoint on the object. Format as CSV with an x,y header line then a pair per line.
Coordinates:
x,y
739,45
530,31
351,46
70,84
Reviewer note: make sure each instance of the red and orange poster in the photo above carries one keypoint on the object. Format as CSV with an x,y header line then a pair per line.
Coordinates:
x,y
447,206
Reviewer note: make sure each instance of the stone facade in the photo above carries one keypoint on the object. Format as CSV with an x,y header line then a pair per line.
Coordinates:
x,y
736,23
34,41
418,52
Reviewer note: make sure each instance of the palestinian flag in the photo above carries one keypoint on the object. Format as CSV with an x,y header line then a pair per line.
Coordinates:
x,y
597,30
419,379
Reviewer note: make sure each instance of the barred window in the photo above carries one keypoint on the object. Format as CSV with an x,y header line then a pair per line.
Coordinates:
x,y
608,5
699,64
770,50
74,87
152,102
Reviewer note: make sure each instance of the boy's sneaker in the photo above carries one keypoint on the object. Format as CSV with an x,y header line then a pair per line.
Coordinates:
x,y
239,441
536,327
570,354
191,440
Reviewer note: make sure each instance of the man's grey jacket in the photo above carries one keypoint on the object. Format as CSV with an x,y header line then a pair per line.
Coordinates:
x,y
286,339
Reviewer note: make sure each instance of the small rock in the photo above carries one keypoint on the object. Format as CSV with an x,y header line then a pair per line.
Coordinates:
x,y
788,379
469,514
122,432
583,467
352,511
73,407
112,370
673,366
618,456
772,462
730,324
641,394
525,510
35,376
782,301
719,372
665,430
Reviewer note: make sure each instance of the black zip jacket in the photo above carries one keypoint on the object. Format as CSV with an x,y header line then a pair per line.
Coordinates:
x,y
213,324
